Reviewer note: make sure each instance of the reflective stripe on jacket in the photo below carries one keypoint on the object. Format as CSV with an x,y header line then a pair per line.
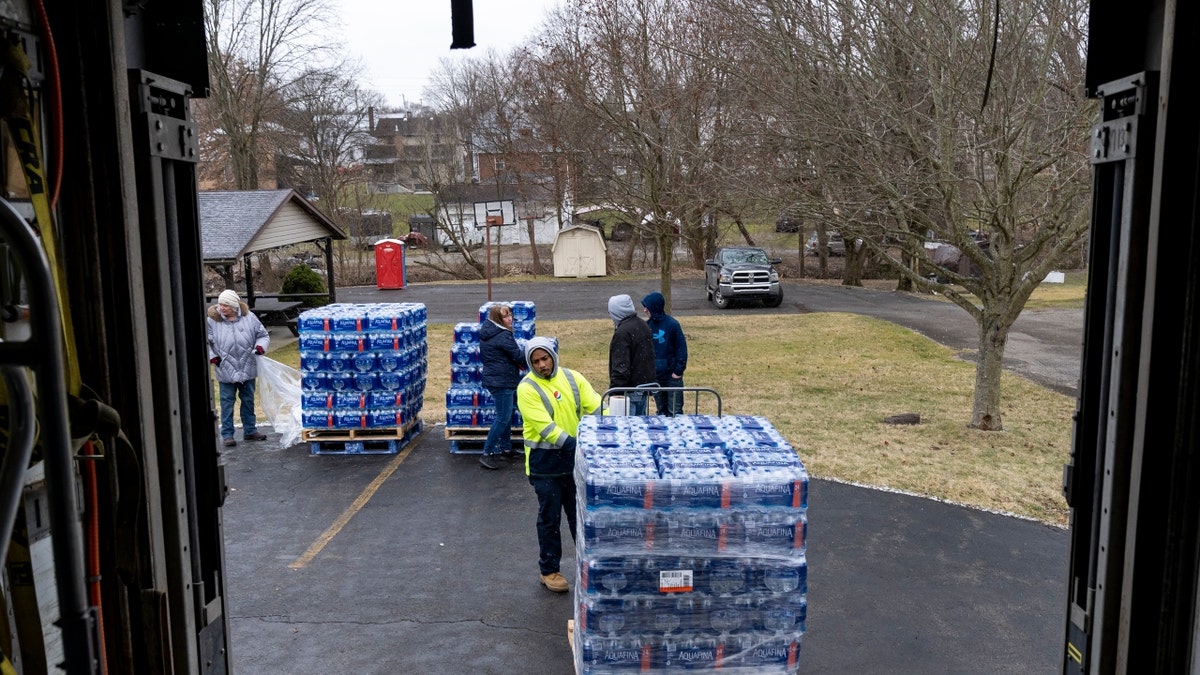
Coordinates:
x,y
550,410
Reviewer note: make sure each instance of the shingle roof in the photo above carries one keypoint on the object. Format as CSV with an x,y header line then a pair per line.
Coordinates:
x,y
230,220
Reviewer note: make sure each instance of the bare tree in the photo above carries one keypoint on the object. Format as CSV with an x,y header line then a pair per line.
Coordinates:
x,y
888,101
495,99
645,112
323,132
254,49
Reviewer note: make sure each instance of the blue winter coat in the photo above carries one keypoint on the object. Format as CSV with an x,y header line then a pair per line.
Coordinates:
x,y
670,346
502,359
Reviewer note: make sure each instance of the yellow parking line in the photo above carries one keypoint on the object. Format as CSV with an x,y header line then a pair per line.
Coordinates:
x,y
354,508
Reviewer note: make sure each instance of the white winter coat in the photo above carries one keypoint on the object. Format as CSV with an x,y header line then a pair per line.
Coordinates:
x,y
234,342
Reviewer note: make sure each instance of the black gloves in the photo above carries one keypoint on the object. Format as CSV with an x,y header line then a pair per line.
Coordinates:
x,y
569,446
258,350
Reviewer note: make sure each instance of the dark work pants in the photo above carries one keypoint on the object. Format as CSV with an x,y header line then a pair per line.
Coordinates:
x,y
555,495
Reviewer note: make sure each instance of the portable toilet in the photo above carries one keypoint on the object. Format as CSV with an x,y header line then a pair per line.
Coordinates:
x,y
389,264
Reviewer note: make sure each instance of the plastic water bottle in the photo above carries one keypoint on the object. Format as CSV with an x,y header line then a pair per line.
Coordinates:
x,y
464,353
338,362
620,530
312,361
465,375
366,381
693,650
383,418
466,333
316,400
525,330
349,419
317,419
363,362
773,532
343,381
523,310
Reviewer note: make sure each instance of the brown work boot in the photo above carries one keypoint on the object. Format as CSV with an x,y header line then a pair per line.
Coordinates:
x,y
555,582
229,442
256,436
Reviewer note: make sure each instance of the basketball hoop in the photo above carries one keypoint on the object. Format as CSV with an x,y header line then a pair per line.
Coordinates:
x,y
495,221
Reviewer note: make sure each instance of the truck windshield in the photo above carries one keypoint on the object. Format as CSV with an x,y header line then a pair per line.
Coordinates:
x,y
738,257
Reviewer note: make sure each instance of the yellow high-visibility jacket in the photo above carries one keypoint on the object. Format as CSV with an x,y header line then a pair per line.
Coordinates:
x,y
550,411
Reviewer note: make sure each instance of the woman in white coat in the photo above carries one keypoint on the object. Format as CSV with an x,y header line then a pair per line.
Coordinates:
x,y
236,338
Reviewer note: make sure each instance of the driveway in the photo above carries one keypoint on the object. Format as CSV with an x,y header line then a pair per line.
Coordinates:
x,y
431,569
1044,345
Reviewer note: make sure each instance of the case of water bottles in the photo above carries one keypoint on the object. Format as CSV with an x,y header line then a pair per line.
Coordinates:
x,y
362,365
468,403
691,554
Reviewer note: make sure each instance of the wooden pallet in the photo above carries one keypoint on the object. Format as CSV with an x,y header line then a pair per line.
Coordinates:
x,y
571,641
385,433
476,433
365,444
470,440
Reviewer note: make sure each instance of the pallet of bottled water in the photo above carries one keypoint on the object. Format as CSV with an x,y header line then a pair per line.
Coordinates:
x,y
469,406
691,554
363,367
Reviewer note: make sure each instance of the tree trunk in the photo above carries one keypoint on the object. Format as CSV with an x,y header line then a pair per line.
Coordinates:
x,y
664,242
631,244
537,263
905,283
985,412
745,233
855,254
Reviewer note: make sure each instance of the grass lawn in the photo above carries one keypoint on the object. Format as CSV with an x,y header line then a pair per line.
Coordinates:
x,y
826,381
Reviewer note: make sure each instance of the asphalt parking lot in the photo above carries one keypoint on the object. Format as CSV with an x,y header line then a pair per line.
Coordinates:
x,y
424,563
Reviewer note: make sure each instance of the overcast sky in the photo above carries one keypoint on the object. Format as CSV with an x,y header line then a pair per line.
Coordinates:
x,y
400,43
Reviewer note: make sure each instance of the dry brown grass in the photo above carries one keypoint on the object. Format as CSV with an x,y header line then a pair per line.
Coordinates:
x,y
826,381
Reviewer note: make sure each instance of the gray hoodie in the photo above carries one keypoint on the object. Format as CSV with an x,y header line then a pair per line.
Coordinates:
x,y
540,343
619,307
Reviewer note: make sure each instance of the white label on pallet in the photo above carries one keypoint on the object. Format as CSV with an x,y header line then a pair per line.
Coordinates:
x,y
675,581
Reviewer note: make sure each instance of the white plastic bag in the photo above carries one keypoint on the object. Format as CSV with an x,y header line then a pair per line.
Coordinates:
x,y
279,396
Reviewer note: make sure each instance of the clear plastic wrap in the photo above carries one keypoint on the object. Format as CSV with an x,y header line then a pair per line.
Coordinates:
x,y
692,546
278,390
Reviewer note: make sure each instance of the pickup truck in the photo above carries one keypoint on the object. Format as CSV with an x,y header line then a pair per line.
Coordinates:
x,y
742,273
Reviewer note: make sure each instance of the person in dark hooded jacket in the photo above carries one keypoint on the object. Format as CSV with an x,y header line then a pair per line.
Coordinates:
x,y
630,353
502,363
670,354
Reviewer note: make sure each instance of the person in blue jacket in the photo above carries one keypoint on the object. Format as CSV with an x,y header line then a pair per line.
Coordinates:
x,y
670,354
502,363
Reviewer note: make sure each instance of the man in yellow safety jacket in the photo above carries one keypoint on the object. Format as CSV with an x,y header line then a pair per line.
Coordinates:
x,y
551,400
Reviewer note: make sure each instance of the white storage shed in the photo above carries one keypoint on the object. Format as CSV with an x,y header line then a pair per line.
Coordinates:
x,y
579,251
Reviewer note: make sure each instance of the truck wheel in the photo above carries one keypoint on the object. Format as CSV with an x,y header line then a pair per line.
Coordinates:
x,y
774,300
720,300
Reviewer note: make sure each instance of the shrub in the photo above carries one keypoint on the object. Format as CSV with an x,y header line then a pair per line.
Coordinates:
x,y
302,279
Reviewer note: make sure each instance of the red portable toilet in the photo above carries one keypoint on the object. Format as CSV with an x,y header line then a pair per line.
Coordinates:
x,y
389,263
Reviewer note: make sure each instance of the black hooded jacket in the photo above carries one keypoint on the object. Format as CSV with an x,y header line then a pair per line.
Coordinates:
x,y
631,354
